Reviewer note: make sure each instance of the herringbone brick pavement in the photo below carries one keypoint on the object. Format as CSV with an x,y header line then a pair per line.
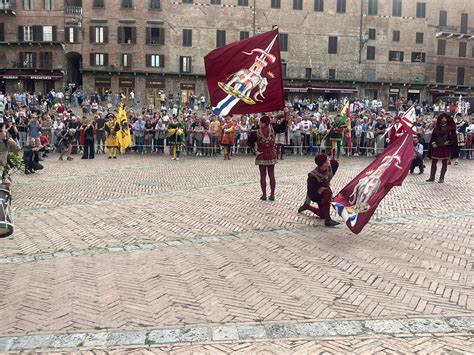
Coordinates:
x,y
144,242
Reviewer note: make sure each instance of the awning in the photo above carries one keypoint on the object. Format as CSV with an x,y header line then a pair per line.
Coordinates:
x,y
295,89
29,77
441,91
341,90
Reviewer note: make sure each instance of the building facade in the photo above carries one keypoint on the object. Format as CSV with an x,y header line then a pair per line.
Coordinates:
x,y
383,49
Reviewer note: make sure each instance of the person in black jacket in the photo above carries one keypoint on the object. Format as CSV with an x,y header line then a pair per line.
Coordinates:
x,y
280,126
31,157
88,134
319,189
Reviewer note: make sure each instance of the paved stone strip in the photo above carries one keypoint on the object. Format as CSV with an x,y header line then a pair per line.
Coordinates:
x,y
238,333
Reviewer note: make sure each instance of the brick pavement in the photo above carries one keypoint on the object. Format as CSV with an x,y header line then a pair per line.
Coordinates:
x,y
143,242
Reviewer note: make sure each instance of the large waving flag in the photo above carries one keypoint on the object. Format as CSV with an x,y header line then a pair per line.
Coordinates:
x,y
123,136
357,201
245,76
409,119
346,115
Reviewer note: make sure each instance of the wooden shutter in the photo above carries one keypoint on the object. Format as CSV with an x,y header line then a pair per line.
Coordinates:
x,y
120,34
148,35
2,32
38,33
41,60
162,36
76,35
21,58
35,63
106,34
91,34
20,34
92,58
66,34
162,60
134,35
401,56
55,36
148,60
106,59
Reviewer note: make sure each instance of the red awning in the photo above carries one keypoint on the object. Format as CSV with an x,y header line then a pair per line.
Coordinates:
x,y
341,90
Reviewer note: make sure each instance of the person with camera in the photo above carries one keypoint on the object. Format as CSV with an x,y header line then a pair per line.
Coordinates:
x,y
31,157
64,143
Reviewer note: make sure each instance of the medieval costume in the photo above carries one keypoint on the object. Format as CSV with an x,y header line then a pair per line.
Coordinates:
x,y
280,127
461,126
319,190
443,145
227,136
396,131
175,138
263,140
112,127
335,136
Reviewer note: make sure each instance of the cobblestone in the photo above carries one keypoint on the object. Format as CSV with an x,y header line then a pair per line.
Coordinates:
x,y
144,251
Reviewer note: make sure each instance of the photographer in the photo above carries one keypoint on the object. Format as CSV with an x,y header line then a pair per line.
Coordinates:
x,y
64,143
31,157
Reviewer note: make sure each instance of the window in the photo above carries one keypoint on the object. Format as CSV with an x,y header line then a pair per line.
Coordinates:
x,y
46,60
155,5
98,34
215,2
48,33
372,76
49,5
71,35
127,4
220,38
441,47
126,60
155,35
464,23
462,49
332,74
419,37
418,57
28,4
283,69
155,60
395,56
283,42
187,38
184,64
98,4
373,9
372,33
187,1
99,59
341,6
307,74
420,10
397,8
396,36
443,18
332,45
127,34
243,2
275,4
27,59
244,35
27,33
439,73
370,53
460,79
297,4
319,5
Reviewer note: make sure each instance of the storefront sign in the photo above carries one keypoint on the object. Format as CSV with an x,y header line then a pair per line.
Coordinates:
x,y
289,89
30,77
155,83
394,91
103,82
126,83
413,91
188,86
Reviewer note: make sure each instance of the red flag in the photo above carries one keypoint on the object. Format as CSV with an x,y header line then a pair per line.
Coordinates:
x,y
357,201
245,76
409,119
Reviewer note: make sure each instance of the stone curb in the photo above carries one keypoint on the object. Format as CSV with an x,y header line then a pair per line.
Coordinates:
x,y
254,332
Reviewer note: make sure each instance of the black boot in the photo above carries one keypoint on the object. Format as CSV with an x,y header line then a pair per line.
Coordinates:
x,y
433,171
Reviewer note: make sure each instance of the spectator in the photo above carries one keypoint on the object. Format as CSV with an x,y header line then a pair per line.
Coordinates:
x,y
31,157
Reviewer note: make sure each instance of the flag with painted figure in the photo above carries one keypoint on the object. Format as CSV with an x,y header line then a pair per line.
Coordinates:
x,y
245,76
123,136
358,200
409,119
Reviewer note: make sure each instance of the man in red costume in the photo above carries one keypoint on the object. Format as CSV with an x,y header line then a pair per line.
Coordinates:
x,y
319,190
443,145
396,131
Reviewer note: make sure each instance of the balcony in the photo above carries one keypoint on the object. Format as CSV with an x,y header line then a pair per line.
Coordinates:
x,y
454,31
73,10
7,5
28,64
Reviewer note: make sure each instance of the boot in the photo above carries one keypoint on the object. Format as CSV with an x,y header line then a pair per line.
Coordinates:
x,y
303,208
432,173
263,197
330,223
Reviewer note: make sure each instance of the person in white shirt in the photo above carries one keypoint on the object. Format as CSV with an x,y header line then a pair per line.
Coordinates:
x,y
417,156
305,127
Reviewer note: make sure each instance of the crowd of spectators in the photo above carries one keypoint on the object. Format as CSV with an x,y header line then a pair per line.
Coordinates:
x,y
41,123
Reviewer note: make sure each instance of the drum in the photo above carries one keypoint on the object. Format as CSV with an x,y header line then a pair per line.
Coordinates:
x,y
6,222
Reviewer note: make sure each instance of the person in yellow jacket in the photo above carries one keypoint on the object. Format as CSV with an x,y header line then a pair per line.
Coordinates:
x,y
112,127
